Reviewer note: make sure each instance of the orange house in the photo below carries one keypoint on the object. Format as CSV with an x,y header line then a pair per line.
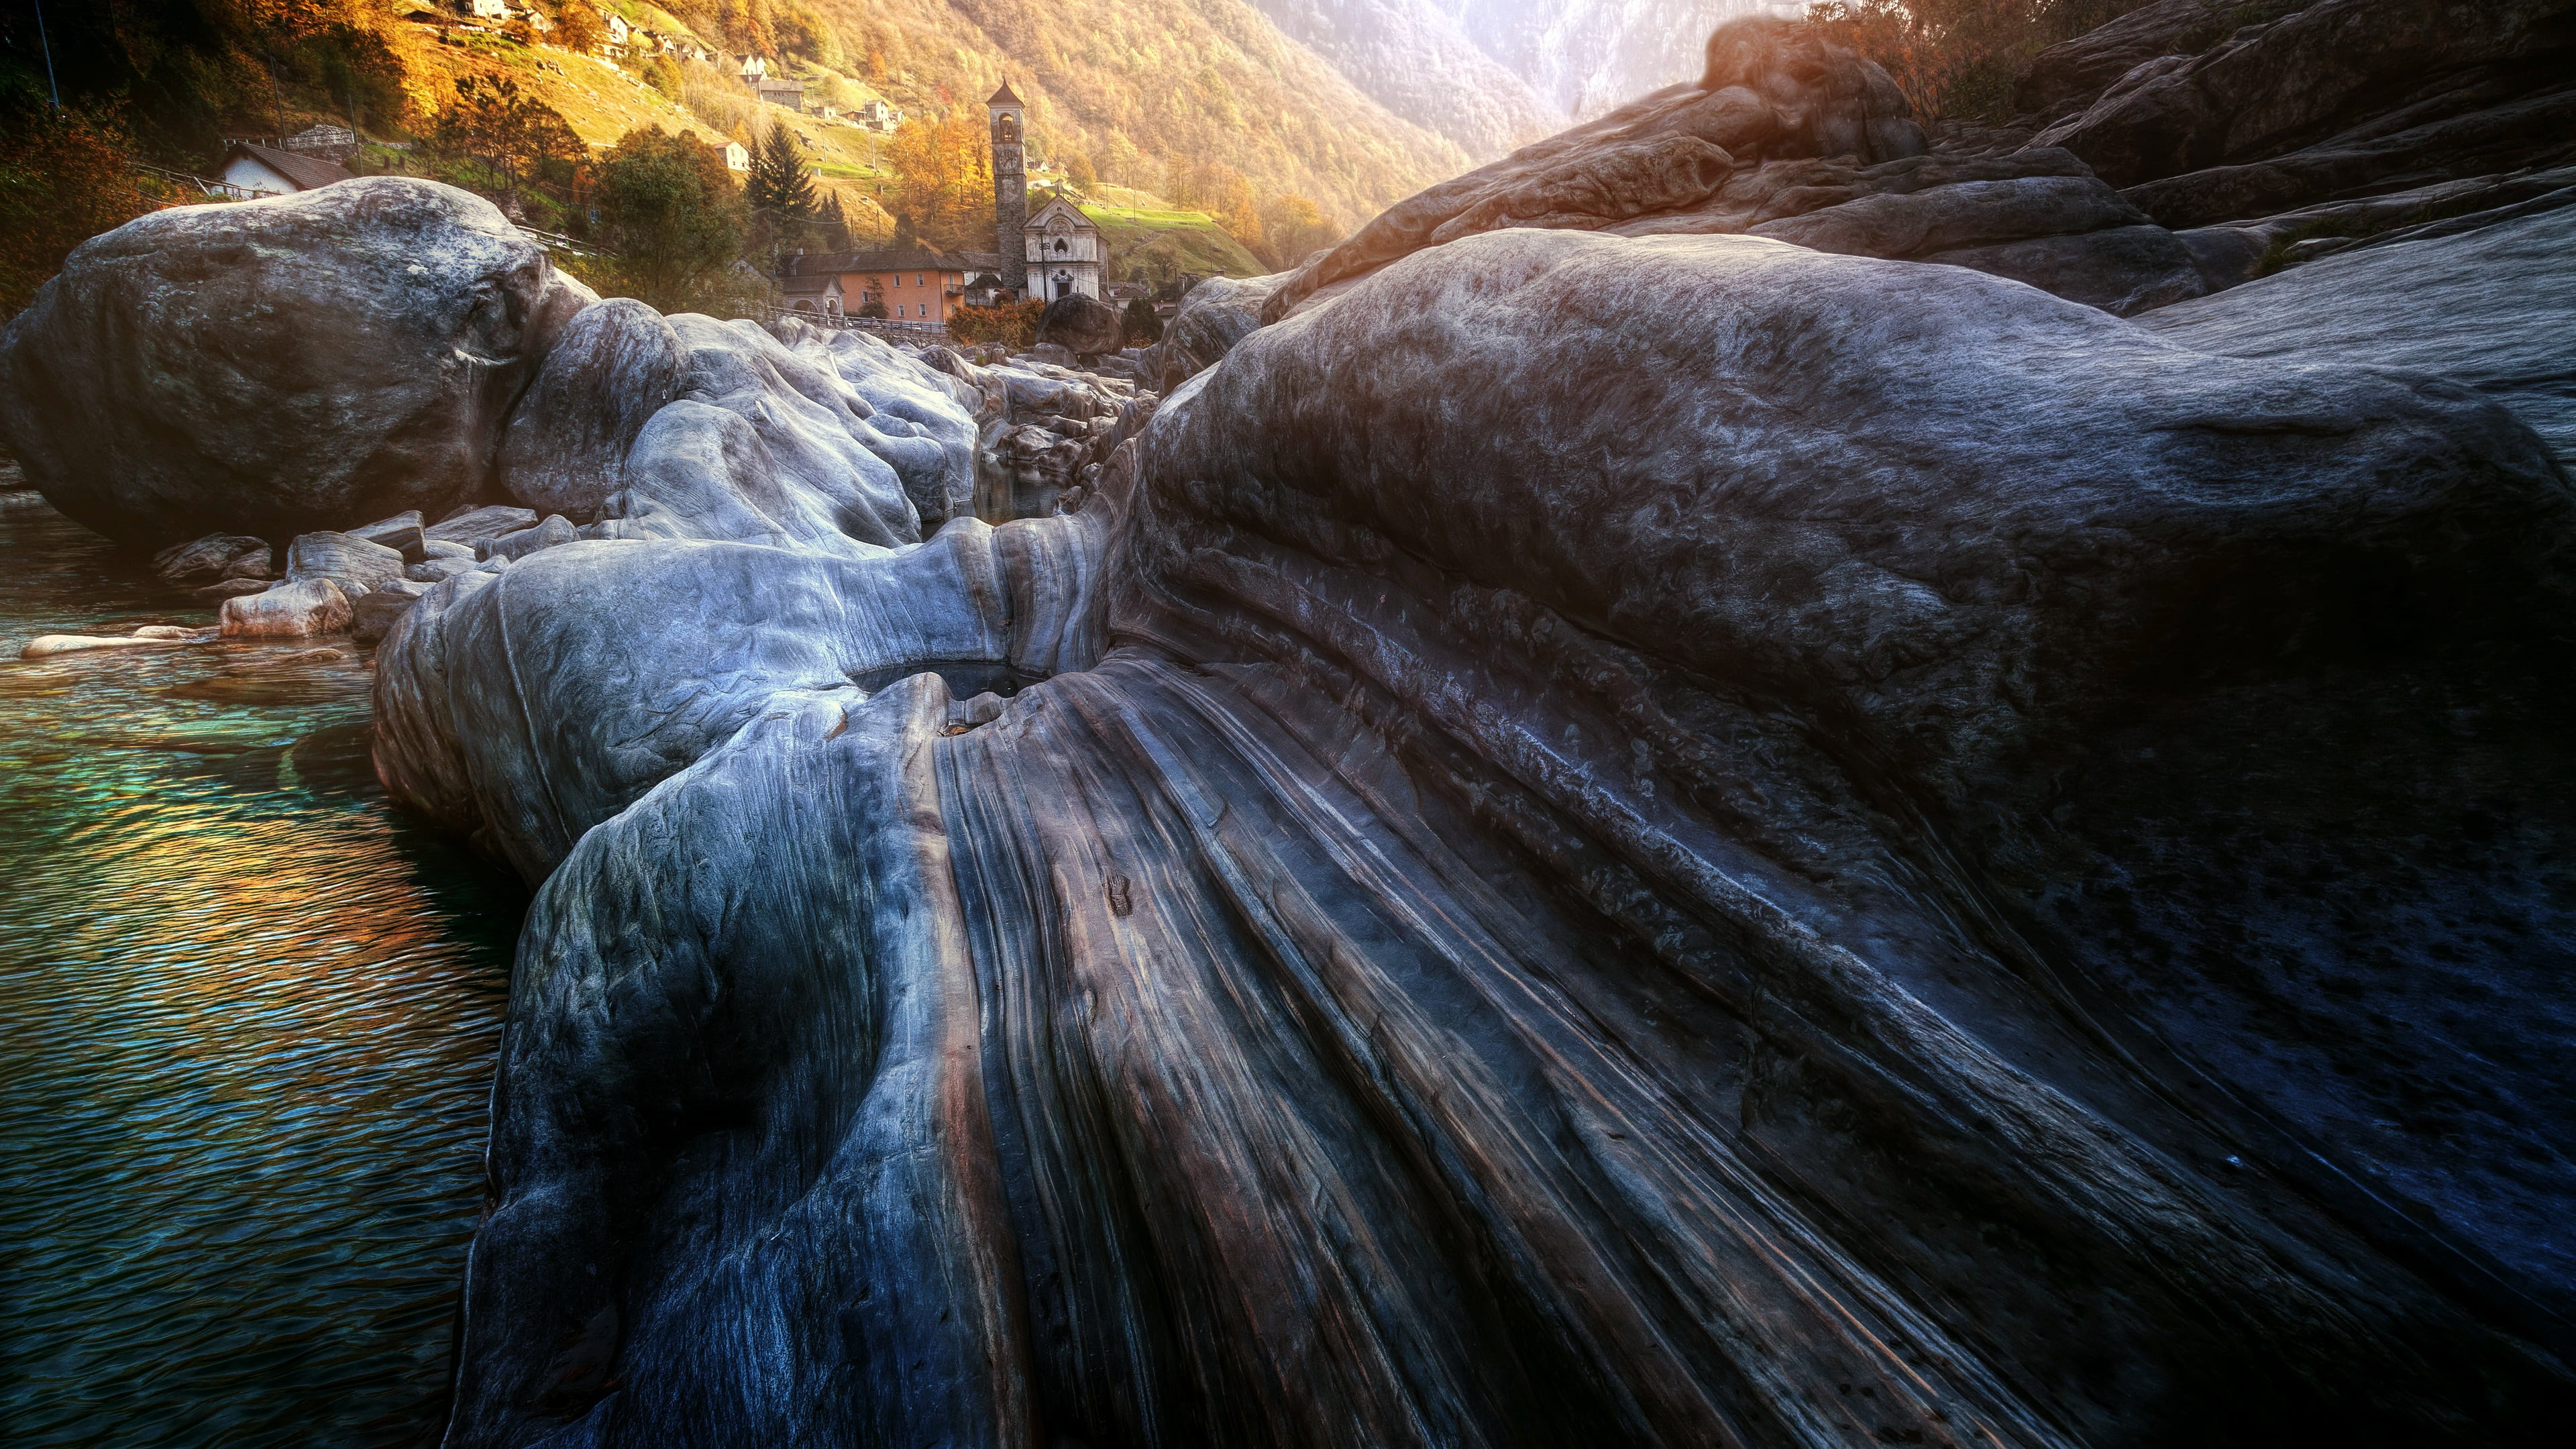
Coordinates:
x,y
913,285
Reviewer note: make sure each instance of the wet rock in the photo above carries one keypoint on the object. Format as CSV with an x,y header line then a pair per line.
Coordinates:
x,y
1053,354
213,559
297,609
45,646
472,528
401,533
372,617
439,548
612,368
354,564
438,568
1083,326
232,588
556,529
303,361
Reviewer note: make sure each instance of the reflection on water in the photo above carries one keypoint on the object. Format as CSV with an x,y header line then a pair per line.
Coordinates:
x,y
247,1018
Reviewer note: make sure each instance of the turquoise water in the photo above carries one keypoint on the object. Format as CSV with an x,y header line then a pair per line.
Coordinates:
x,y
247,1017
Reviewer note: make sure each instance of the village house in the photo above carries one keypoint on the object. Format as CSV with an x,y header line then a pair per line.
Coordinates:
x,y
269,171
812,292
618,34
736,158
876,115
1063,252
913,284
788,93
487,9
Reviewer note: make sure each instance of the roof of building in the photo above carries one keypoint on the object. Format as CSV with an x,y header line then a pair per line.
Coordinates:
x,y
910,259
1004,97
306,170
1079,215
797,284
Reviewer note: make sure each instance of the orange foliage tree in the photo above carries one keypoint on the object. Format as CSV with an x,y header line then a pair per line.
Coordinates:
x,y
944,180
65,176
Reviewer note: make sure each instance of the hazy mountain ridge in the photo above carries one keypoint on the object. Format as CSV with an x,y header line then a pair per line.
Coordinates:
x,y
1411,57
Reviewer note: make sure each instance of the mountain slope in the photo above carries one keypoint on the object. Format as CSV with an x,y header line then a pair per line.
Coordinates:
x,y
1413,59
1151,90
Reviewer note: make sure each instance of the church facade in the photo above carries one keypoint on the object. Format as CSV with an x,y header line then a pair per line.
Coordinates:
x,y
1062,252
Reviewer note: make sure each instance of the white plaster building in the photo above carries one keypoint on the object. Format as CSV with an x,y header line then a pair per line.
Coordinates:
x,y
268,171
1064,252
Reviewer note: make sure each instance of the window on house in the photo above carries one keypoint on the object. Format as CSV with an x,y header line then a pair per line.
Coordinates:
x,y
916,279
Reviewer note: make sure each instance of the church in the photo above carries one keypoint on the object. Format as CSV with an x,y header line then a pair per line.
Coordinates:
x,y
1057,253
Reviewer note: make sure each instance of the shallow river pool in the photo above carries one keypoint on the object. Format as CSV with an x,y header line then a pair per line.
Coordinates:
x,y
247,1017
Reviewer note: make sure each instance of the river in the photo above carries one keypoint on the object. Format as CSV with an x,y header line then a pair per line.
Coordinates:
x,y
247,1019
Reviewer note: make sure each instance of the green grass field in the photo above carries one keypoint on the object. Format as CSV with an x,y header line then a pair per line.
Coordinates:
x,y
1190,240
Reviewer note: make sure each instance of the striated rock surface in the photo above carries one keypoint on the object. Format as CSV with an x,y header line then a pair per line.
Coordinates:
x,y
2493,308
1660,840
310,361
613,367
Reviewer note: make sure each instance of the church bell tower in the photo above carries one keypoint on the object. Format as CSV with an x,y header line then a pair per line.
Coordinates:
x,y
1010,187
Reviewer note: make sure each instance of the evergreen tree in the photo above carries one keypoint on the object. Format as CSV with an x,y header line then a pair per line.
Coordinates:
x,y
780,187
834,224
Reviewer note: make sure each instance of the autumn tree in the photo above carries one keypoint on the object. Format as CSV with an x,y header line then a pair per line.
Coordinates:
x,y
671,212
65,176
1292,228
511,133
1962,58
943,188
578,27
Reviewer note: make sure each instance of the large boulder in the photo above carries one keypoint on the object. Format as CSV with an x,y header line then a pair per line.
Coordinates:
x,y
1897,792
276,366
1083,326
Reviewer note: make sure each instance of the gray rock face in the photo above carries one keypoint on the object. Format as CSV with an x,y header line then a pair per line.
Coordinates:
x,y
554,531
402,533
2068,77
2320,77
1591,838
473,528
296,609
2494,309
613,367
213,559
1083,326
354,564
300,362
1212,317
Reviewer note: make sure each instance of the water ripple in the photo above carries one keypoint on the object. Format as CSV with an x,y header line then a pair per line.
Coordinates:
x,y
249,1019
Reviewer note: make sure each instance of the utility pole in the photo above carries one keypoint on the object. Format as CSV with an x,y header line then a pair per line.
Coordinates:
x,y
47,42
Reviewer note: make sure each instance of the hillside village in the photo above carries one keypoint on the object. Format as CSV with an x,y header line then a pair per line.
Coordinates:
x,y
870,133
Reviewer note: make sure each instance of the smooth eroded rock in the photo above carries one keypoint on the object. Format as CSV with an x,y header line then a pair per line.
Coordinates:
x,y
280,365
295,610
